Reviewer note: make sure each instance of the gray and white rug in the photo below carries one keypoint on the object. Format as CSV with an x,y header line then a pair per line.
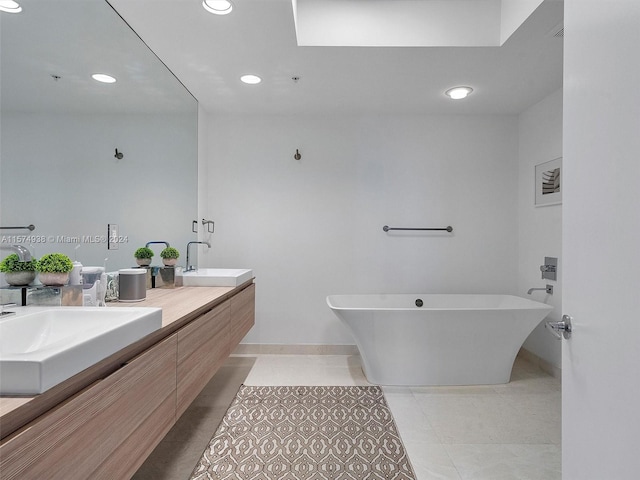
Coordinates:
x,y
306,433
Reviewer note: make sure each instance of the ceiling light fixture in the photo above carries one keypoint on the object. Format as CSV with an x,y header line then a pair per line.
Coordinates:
x,y
251,79
103,77
217,7
10,6
457,93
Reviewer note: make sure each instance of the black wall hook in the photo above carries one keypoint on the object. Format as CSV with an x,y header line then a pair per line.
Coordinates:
x,y
298,155
119,155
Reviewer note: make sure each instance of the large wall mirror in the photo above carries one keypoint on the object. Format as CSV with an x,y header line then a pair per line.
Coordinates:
x,y
60,130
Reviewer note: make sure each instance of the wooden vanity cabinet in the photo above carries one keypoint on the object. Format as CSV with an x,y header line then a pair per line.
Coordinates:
x,y
108,429
105,431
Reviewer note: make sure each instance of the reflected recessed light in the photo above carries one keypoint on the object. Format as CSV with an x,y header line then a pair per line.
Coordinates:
x,y
104,78
218,7
456,93
10,6
251,79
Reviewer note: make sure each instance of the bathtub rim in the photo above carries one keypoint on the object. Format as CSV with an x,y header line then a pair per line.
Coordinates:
x,y
525,303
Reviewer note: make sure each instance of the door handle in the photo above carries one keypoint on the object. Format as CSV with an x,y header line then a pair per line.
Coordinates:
x,y
562,328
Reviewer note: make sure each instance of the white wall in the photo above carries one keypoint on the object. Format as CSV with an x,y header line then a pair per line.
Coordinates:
x,y
539,228
313,227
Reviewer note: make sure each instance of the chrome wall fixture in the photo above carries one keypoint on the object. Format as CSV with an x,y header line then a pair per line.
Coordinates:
x,y
387,228
210,225
548,289
31,227
550,268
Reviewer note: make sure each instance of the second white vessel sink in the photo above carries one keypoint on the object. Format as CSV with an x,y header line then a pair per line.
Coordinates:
x,y
214,277
43,346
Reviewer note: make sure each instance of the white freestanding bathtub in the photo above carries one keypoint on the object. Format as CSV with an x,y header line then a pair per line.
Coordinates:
x,y
449,340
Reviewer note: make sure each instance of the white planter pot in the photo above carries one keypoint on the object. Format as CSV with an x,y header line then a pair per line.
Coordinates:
x,y
19,279
54,279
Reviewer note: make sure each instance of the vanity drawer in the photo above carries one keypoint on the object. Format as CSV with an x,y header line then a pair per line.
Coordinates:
x,y
243,313
203,346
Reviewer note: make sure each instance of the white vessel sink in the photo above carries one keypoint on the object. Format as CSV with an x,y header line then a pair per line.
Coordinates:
x,y
214,277
43,346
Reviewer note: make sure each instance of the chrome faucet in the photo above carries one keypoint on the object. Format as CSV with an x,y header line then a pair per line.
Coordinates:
x,y
548,289
24,255
161,242
188,268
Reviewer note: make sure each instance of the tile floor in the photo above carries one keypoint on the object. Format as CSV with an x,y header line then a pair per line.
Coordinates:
x,y
498,432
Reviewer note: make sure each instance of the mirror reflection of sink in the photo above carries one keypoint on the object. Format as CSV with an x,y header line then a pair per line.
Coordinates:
x,y
43,346
214,277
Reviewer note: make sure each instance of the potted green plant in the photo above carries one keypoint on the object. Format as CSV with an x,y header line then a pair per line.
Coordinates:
x,y
54,268
18,273
170,256
143,256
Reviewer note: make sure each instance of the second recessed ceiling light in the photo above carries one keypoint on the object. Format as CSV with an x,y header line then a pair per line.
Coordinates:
x,y
457,93
103,77
251,79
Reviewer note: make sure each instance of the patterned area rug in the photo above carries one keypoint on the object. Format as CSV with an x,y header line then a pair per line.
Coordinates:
x,y
306,433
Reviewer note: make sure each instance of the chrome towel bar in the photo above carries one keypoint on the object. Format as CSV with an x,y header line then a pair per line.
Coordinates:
x,y
387,228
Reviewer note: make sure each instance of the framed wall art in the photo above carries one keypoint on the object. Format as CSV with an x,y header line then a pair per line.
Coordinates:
x,y
549,183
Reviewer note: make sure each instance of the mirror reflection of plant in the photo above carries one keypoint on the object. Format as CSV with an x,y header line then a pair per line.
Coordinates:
x,y
54,263
170,252
143,252
12,263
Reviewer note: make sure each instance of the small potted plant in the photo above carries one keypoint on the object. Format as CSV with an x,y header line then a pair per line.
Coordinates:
x,y
170,256
143,256
54,268
18,273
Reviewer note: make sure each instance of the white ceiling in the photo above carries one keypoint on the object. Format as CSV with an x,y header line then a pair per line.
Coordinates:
x,y
209,53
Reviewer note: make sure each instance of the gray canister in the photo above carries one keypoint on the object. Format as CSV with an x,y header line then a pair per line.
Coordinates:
x,y
132,284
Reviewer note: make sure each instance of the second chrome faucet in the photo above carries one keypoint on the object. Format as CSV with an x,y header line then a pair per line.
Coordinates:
x,y
548,289
187,267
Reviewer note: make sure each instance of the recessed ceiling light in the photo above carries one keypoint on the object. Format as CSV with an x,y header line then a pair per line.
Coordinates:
x,y
10,6
251,79
456,93
217,7
104,78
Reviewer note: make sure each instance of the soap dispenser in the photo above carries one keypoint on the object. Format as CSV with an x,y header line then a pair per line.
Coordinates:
x,y
74,276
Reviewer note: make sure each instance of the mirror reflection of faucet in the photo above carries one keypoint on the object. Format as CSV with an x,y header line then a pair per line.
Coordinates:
x,y
24,255
548,289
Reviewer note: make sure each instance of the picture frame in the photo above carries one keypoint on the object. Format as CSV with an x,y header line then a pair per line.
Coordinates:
x,y
548,183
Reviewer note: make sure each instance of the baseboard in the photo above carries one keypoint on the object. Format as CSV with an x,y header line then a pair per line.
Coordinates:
x,y
543,364
276,349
